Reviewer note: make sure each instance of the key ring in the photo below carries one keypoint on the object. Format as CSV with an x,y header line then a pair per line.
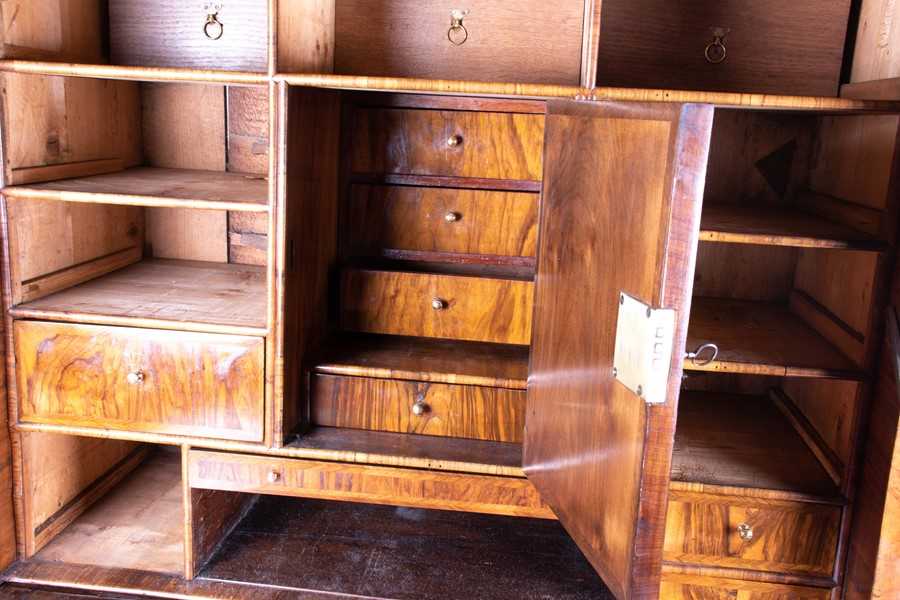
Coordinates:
x,y
458,34
213,29
696,353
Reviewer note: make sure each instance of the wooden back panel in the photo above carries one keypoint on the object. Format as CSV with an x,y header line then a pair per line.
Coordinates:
x,y
611,221
58,30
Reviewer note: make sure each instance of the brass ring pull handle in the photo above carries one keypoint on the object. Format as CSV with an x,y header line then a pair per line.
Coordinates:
x,y
716,52
457,34
745,532
135,377
711,348
213,29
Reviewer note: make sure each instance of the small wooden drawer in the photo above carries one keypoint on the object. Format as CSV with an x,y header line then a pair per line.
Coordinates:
x,y
140,380
442,306
747,533
364,483
173,33
388,218
464,411
697,587
488,145
507,40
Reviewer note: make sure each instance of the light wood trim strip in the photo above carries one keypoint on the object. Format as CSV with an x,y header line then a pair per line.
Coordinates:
x,y
59,280
133,73
26,193
27,175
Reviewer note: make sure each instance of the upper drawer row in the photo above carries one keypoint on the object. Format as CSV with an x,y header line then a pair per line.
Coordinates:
x,y
767,47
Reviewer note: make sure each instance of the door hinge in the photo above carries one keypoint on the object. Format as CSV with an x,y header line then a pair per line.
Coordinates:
x,y
644,340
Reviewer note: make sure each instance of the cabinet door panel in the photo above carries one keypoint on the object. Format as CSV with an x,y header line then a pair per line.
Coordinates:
x,y
620,213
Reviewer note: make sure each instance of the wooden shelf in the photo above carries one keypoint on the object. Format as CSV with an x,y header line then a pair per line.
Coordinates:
x,y
779,227
145,186
408,450
138,525
171,294
424,359
744,441
763,339
133,73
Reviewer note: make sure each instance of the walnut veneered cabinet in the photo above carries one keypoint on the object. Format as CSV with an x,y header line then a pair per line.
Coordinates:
x,y
265,284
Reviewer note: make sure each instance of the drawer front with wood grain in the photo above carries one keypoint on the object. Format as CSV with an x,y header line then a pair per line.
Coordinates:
x,y
175,33
387,219
757,534
364,483
489,145
530,41
770,46
140,380
463,411
441,306
696,587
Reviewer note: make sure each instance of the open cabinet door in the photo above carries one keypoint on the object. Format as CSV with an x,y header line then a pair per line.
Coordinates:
x,y
623,187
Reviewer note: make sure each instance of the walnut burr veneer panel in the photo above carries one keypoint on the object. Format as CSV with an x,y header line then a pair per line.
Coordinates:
x,y
444,306
465,411
140,380
696,587
487,145
363,483
385,218
508,40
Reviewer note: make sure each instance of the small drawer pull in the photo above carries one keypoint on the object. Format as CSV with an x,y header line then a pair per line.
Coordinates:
x,y
713,354
135,377
745,532
452,217
454,140
438,304
273,476
458,34
213,28
420,407
716,52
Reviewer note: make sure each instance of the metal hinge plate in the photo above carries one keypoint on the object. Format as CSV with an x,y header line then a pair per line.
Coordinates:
x,y
644,339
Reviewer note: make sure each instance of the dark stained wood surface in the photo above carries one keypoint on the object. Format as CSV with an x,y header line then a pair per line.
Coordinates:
x,y
489,145
744,441
140,380
764,339
383,218
464,411
643,43
611,221
424,359
387,552
508,40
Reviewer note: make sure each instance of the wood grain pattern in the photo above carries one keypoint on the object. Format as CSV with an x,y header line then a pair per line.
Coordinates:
x,y
8,552
415,142
476,308
481,413
144,186
212,517
305,33
507,40
64,30
429,360
138,525
384,218
787,537
192,383
247,112
184,294
361,483
169,33
877,33
693,587
597,453
745,272
762,338
642,44
719,442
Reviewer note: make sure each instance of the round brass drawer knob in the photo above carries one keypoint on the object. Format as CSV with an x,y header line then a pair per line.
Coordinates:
x,y
745,532
452,217
274,476
419,408
135,377
454,140
438,304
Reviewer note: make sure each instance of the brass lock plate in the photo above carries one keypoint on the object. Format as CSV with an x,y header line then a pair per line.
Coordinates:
x,y
644,340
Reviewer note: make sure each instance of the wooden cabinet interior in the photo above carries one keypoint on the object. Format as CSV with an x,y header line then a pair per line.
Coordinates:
x,y
320,277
